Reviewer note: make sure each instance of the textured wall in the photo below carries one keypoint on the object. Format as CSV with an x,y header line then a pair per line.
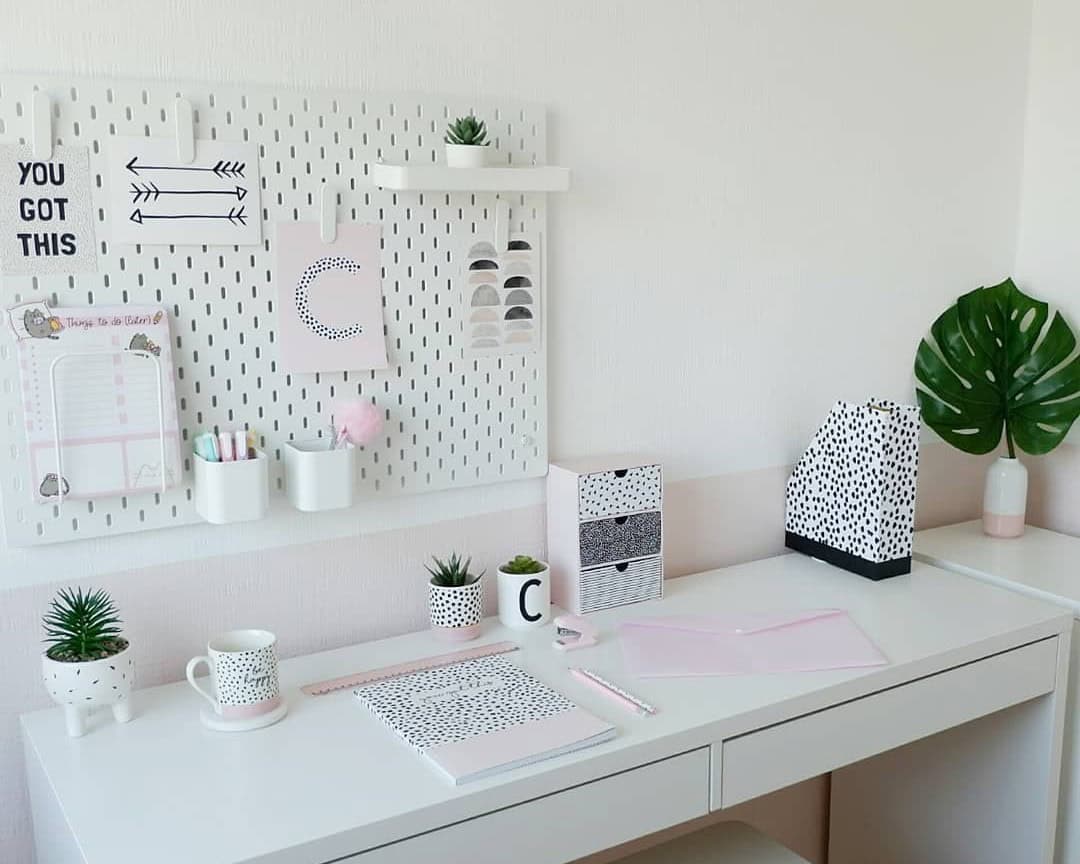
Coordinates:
x,y
771,201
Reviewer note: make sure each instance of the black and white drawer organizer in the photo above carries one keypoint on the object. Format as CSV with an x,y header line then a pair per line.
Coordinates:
x,y
605,532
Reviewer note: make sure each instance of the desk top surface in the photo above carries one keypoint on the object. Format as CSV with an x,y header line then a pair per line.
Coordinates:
x,y
1041,563
331,780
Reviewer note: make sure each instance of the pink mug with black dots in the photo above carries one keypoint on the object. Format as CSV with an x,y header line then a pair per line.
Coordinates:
x,y
243,674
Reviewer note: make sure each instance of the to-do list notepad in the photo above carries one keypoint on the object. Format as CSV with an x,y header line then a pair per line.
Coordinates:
x,y
106,398
479,717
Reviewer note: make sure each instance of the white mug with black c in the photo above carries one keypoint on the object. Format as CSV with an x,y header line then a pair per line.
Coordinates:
x,y
525,599
245,692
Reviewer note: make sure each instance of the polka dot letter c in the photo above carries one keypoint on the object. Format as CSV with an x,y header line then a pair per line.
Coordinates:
x,y
303,309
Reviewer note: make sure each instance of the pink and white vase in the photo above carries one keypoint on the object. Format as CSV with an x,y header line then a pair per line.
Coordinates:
x,y
1005,498
456,612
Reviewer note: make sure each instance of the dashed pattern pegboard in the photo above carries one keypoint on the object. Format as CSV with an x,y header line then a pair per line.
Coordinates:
x,y
449,421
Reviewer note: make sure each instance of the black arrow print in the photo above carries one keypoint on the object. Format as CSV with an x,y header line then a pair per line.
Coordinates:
x,y
235,215
222,168
151,192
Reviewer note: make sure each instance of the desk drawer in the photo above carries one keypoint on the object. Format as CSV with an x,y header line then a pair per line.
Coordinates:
x,y
778,756
567,825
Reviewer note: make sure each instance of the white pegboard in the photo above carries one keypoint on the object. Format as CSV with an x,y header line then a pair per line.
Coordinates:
x,y
450,421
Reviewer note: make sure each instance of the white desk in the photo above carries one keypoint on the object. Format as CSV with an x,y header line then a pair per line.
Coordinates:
x,y
331,782
1041,564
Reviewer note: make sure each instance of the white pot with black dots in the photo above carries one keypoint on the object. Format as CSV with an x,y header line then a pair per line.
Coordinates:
x,y
456,611
82,687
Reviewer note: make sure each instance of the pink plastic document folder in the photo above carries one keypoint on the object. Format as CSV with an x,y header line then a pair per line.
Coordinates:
x,y
747,644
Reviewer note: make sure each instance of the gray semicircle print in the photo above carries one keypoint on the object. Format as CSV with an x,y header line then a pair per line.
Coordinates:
x,y
485,295
518,296
517,313
518,282
482,249
485,330
484,264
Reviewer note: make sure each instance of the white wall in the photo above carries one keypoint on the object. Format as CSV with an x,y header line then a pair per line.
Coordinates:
x,y
771,202
1048,252
771,199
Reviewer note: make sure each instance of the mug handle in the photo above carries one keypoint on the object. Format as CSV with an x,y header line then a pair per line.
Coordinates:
x,y
192,665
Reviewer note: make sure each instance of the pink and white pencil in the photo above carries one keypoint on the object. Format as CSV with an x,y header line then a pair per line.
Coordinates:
x,y
616,694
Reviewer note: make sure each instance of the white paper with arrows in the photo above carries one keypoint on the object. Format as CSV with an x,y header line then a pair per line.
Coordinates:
x,y
156,199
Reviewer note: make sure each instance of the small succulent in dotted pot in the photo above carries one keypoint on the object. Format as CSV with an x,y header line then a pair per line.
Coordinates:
x,y
88,663
455,598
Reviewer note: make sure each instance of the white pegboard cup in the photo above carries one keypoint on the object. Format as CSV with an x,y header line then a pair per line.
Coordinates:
x,y
317,478
237,491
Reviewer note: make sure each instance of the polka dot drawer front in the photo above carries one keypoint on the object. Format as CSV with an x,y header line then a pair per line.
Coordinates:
x,y
851,497
624,490
619,584
620,538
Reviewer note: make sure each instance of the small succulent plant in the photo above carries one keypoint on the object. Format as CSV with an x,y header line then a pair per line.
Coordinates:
x,y
522,564
82,626
453,572
468,131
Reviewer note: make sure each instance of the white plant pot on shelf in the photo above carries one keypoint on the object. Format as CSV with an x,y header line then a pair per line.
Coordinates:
x,y
466,156
84,687
317,478
456,612
1005,498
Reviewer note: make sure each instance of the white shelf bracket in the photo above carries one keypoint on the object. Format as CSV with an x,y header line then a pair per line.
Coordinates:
x,y
184,117
41,137
328,213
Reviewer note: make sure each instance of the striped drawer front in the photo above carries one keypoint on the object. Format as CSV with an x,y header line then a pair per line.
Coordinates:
x,y
621,538
612,493
618,584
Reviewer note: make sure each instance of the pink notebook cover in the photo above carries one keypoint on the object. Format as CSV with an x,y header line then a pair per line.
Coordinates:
x,y
746,644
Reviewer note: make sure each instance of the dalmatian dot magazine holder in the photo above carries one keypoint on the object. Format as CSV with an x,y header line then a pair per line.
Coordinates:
x,y
851,497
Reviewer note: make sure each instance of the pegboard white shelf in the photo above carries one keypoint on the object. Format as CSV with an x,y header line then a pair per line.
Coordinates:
x,y
439,178
451,422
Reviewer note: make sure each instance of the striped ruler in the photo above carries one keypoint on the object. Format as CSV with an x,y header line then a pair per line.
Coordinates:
x,y
358,679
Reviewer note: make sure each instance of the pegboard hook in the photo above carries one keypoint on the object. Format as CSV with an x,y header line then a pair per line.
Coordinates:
x,y
185,131
502,224
41,139
328,213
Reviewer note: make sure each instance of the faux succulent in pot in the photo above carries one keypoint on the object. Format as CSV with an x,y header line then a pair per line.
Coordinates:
x,y
88,663
466,143
455,598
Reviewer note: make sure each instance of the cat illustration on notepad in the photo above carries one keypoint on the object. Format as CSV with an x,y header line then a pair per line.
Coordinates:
x,y
142,342
50,488
41,326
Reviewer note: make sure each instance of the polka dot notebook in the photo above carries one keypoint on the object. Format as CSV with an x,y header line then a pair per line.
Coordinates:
x,y
480,717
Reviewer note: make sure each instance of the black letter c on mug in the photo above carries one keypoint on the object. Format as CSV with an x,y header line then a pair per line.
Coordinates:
x,y
529,583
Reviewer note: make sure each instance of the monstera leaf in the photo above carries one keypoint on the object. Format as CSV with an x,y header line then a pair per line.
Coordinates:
x,y
994,363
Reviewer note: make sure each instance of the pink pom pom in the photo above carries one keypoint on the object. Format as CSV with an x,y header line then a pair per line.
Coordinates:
x,y
357,421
